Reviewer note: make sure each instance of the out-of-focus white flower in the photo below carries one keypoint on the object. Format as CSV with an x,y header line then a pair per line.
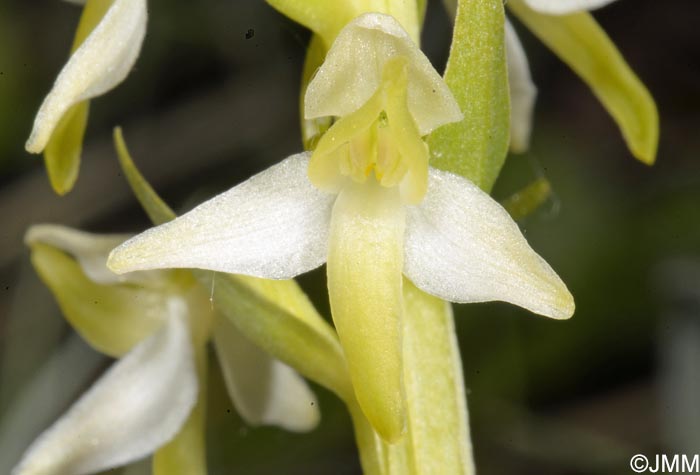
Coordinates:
x,y
568,30
157,324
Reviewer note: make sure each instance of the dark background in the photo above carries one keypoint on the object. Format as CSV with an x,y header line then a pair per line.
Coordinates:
x,y
214,98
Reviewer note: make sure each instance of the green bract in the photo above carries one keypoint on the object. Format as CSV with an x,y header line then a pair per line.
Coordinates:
x,y
476,146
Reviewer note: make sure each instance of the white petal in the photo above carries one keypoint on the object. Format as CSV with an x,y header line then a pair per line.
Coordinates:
x,y
53,387
90,250
562,7
274,225
522,92
462,246
134,408
263,390
353,68
101,62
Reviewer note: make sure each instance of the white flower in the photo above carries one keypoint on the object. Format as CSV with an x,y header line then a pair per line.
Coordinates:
x,y
371,208
107,43
157,324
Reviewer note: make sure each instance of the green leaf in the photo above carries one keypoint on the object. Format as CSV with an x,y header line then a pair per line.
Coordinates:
x,y
526,201
438,438
582,44
111,318
476,147
62,152
274,314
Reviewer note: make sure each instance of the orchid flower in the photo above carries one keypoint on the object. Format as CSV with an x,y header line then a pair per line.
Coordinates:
x,y
367,203
572,33
152,399
106,46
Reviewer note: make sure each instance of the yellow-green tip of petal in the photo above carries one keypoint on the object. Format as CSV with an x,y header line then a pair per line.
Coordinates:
x,y
63,149
557,301
564,303
646,147
118,261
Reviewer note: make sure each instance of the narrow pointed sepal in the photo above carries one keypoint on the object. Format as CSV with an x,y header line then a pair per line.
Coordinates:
x,y
101,62
462,246
135,408
365,259
152,204
274,225
263,390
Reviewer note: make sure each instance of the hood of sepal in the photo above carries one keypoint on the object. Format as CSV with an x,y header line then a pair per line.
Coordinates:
x,y
356,62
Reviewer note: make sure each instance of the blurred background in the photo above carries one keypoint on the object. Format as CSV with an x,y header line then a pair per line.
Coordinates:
x,y
214,99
